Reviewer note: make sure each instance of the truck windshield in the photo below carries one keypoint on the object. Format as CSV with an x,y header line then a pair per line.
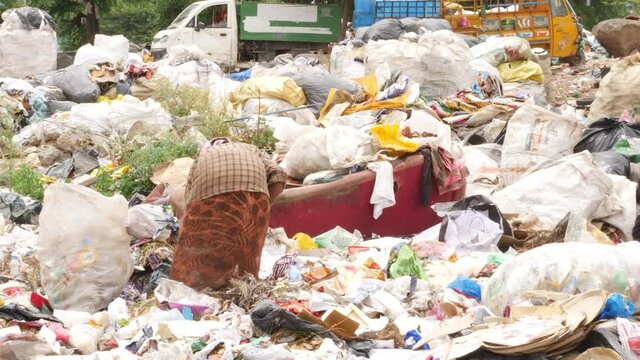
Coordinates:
x,y
184,16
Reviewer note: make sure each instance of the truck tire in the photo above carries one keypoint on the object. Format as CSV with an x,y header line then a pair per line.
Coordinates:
x,y
578,59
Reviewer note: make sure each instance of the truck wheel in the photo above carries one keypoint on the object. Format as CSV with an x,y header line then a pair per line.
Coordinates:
x,y
578,59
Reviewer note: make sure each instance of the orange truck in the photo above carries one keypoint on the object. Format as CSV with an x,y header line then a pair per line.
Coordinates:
x,y
547,24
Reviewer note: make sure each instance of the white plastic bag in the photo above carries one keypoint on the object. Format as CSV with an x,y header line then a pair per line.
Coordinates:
x,y
83,247
572,184
91,55
535,135
625,219
178,293
343,62
145,221
202,73
570,268
121,116
180,54
337,147
287,131
131,111
116,46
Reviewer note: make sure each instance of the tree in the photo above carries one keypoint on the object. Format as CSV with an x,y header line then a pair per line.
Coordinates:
x,y
138,21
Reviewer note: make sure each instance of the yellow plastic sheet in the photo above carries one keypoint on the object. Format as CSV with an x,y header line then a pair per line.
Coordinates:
x,y
282,88
109,100
390,138
370,85
304,241
519,71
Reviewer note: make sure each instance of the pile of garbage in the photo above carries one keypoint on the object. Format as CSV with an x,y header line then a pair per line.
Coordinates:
x,y
535,257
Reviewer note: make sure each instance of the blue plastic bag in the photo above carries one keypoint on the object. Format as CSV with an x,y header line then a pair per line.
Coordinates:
x,y
411,338
467,287
617,306
241,76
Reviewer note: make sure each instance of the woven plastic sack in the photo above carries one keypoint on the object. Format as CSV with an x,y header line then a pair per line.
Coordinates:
x,y
282,88
83,247
614,95
497,50
535,135
572,184
17,56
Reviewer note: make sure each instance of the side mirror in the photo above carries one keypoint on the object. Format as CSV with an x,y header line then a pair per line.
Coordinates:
x,y
201,26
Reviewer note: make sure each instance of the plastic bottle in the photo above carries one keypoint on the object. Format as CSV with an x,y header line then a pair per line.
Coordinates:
x,y
294,273
14,266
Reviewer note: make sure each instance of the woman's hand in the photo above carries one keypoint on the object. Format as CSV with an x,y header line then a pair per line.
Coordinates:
x,y
275,190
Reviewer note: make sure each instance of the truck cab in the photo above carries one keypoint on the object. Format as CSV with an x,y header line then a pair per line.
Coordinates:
x,y
210,25
228,30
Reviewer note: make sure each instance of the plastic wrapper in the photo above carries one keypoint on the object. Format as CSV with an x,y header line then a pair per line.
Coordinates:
x,y
603,134
83,247
535,135
569,268
407,263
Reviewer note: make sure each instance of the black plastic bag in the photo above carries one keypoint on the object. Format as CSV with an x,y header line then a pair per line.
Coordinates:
x,y
32,18
21,313
387,29
612,163
603,134
270,318
413,24
14,208
480,204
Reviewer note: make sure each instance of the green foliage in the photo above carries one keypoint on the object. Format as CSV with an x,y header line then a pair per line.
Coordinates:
x,y
25,181
260,136
138,21
143,160
169,10
601,10
105,184
188,101
8,150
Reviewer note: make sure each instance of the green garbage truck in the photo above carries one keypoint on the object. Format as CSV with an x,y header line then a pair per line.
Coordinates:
x,y
232,31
